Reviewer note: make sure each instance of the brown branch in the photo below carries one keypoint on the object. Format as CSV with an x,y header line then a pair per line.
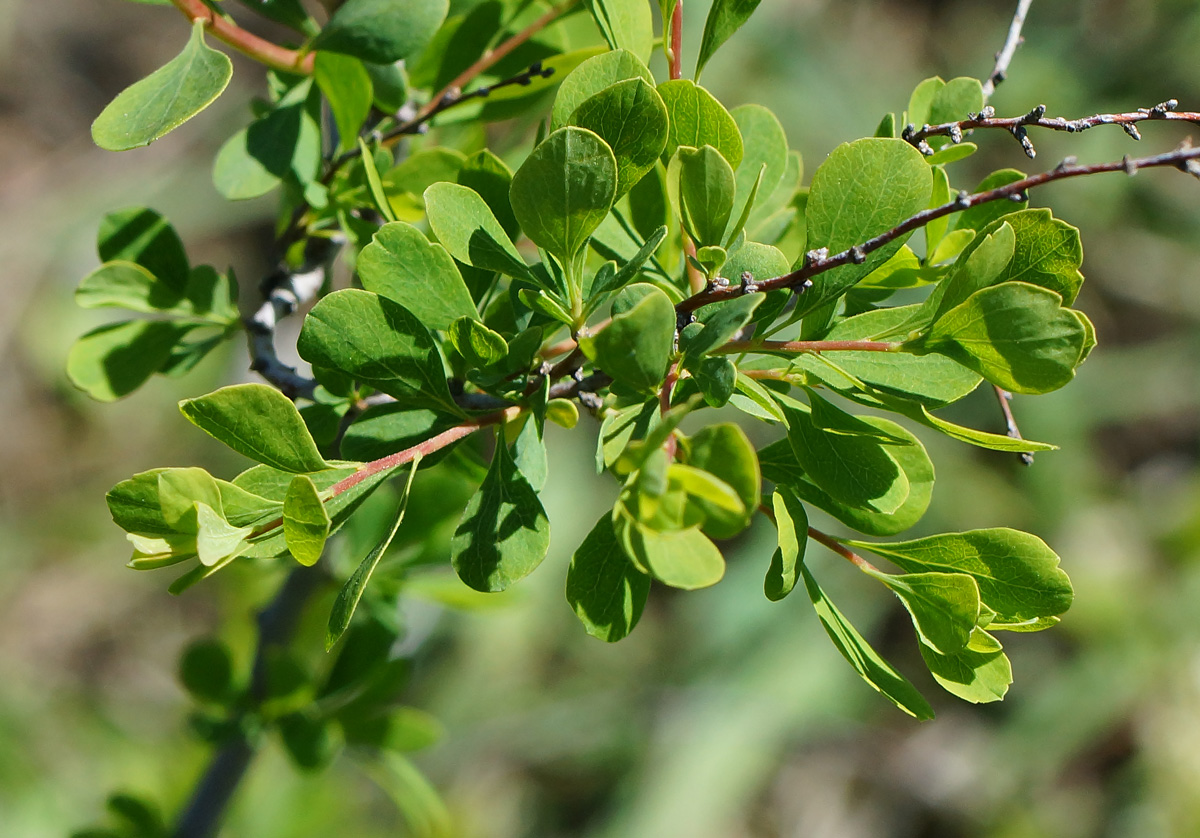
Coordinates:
x,y
1005,55
1184,158
1036,118
261,50
842,550
1010,421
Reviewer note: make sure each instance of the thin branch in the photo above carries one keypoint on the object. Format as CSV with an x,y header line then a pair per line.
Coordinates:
x,y
677,41
261,50
1010,421
842,550
1184,158
1005,56
799,346
202,816
1018,125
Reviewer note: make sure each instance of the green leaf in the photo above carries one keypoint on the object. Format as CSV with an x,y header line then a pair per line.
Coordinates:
x,y
401,264
1015,335
1048,253
954,100
489,176
866,661
698,119
981,215
632,120
932,380
382,31
764,144
503,533
944,606
863,188
465,225
125,285
706,187
217,539
379,343
625,24
478,344
284,144
114,360
760,261
206,670
635,347
717,379
593,76
980,673
305,521
724,451
167,98
389,428
259,422
603,587
374,182
1018,575
724,18
978,267
144,236
564,189
347,87
722,322
684,559
351,593
791,521
856,470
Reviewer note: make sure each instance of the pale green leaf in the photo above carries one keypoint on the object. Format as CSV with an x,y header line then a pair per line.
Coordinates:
x,y
305,521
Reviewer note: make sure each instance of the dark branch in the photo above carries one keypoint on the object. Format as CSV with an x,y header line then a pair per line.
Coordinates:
x,y
1005,55
1185,158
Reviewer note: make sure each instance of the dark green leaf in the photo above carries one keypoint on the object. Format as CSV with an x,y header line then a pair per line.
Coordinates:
x,y
382,31
351,593
389,428
284,144
309,741
724,18
697,120
401,264
791,521
374,181
479,345
144,236
631,118
625,24
167,98
719,327
592,76
503,533
206,670
866,661
607,592
489,176
259,422
564,189
724,451
706,187
465,225
347,88
635,346
379,343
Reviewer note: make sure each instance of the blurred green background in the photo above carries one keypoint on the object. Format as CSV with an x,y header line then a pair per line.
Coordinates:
x,y
723,714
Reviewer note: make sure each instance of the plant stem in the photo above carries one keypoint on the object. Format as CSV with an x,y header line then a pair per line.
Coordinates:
x,y
842,550
202,816
262,51
677,41
1005,56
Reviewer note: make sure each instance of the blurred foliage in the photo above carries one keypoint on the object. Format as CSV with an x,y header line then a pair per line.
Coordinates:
x,y
724,715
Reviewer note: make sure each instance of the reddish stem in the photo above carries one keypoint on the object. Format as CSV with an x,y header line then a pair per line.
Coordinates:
x,y
677,41
806,346
262,51
842,550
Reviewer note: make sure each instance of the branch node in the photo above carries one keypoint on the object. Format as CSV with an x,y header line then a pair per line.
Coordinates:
x,y
1034,115
1130,166
1160,110
1022,136
963,199
1066,163
956,134
1131,130
857,256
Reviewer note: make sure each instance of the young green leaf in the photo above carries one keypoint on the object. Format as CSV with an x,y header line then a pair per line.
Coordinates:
x,y
564,189
381,31
980,673
724,18
863,188
466,227
259,422
167,98
402,264
217,539
603,587
379,343
1015,335
347,88
351,593
114,360
724,451
305,521
631,118
635,346
791,520
625,24
698,119
479,345
721,323
144,236
125,285
684,558
1018,575
706,187
374,182
489,176
591,77
866,661
944,606
1048,253
503,533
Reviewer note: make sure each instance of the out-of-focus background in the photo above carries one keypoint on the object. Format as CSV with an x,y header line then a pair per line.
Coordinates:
x,y
722,715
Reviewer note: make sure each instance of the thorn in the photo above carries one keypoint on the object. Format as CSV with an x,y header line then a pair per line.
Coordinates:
x,y
1026,458
1131,130
857,256
1130,166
